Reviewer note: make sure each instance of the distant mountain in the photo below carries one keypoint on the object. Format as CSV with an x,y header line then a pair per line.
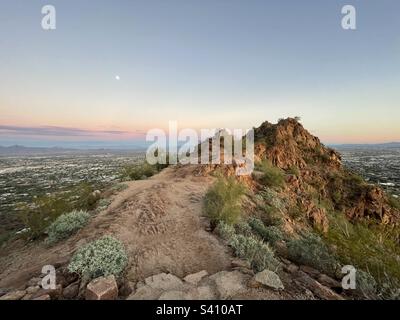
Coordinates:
x,y
366,146
18,150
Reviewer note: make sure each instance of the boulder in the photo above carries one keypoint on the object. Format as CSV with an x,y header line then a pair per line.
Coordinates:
x,y
43,297
270,279
32,290
53,293
36,281
240,264
328,281
145,293
126,288
173,295
71,292
228,284
164,281
14,295
318,289
195,278
201,293
103,288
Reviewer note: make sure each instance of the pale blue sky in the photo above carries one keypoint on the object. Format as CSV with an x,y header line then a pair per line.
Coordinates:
x,y
203,63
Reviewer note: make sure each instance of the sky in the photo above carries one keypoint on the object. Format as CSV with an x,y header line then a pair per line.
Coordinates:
x,y
112,70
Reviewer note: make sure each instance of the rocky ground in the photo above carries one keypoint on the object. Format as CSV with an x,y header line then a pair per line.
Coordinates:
x,y
173,253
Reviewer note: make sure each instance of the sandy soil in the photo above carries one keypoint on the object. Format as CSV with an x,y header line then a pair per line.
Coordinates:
x,y
159,220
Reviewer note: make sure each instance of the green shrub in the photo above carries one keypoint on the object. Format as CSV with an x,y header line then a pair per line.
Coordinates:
x,y
222,201
258,253
66,225
270,234
366,285
372,247
312,251
138,171
44,210
294,170
272,176
103,257
272,198
38,215
250,248
243,228
296,213
394,202
226,231
103,204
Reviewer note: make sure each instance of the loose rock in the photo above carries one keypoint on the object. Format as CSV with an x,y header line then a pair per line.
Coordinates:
x,y
195,278
269,279
103,288
14,295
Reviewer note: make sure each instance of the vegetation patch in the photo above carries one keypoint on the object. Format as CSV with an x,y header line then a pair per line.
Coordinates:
x,y
103,257
394,202
373,248
311,250
40,214
271,234
66,225
258,253
222,201
138,171
272,175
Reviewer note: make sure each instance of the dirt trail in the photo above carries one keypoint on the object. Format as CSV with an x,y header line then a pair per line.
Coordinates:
x,y
160,222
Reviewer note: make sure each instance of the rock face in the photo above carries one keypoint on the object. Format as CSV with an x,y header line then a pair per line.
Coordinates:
x,y
104,288
289,146
269,279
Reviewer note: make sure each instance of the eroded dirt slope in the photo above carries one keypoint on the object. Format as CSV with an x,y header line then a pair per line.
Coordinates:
x,y
159,220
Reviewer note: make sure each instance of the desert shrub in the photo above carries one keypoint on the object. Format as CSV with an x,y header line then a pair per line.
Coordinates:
x,y
38,215
226,231
258,253
296,213
337,196
119,187
103,204
255,251
243,228
66,225
270,215
272,176
311,250
103,257
4,237
366,285
394,202
294,170
371,247
41,213
272,197
270,234
138,171
222,201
